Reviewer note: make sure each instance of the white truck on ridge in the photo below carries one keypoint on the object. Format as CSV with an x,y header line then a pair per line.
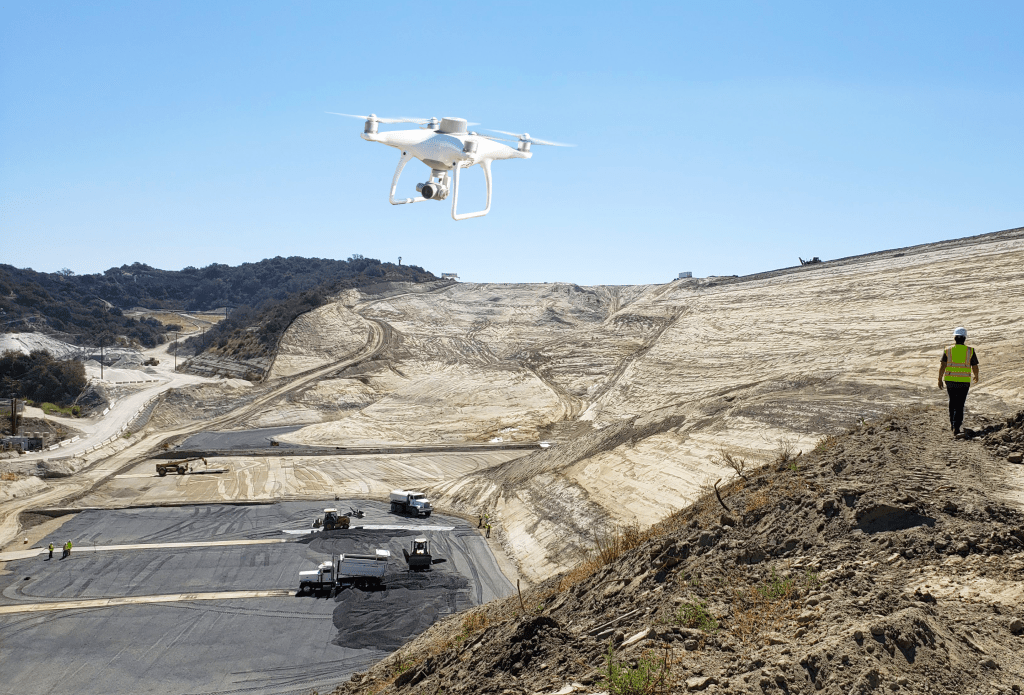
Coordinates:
x,y
412,503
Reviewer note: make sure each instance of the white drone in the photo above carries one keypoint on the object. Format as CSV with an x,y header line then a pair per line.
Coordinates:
x,y
444,146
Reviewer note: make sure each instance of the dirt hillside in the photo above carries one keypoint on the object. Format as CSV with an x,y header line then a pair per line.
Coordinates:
x,y
888,559
730,367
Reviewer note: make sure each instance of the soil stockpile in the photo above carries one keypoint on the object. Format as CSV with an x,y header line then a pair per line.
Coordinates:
x,y
887,559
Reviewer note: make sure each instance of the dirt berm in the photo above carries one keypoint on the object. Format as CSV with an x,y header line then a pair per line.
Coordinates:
x,y
888,559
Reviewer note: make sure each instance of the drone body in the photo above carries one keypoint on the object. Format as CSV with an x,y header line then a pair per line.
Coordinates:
x,y
447,147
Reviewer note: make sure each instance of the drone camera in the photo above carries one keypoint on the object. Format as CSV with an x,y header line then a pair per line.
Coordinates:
x,y
432,190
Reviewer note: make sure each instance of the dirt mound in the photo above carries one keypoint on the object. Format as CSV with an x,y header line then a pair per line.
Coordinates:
x,y
1006,440
883,559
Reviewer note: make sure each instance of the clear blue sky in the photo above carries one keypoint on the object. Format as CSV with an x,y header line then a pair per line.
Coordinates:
x,y
715,137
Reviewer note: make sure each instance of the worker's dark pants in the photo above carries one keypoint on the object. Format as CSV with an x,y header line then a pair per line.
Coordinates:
x,y
51,553
957,391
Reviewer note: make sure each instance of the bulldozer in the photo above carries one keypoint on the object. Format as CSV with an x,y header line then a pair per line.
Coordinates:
x,y
419,559
331,520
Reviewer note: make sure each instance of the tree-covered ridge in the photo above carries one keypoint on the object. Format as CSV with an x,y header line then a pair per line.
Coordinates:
x,y
41,378
89,307
254,332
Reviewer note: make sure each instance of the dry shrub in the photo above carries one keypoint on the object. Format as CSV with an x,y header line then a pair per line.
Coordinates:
x,y
726,459
785,450
9,476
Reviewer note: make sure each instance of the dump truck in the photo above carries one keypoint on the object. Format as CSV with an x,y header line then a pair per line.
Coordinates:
x,y
331,520
419,558
347,569
180,467
412,503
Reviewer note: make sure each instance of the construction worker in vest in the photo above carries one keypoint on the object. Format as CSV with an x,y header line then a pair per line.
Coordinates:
x,y
958,363
51,551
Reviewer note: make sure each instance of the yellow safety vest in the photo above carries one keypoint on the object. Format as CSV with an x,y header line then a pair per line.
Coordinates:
x,y
958,363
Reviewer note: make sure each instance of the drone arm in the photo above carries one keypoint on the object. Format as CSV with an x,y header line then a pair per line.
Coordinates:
x,y
486,166
394,182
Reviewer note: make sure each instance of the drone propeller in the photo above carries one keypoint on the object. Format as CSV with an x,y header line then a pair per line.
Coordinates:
x,y
525,137
372,117
491,137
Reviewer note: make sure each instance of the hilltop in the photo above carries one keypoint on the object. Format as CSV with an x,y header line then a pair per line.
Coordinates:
x,y
91,307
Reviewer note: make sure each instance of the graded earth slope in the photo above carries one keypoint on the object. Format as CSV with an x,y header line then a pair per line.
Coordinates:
x,y
888,559
717,368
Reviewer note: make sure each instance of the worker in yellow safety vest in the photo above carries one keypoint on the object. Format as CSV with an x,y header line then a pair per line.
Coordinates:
x,y
959,361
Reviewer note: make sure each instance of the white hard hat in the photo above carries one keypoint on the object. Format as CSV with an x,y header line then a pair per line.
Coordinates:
x,y
961,331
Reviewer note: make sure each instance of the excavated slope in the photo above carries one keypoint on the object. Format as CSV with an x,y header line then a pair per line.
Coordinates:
x,y
327,334
886,560
728,367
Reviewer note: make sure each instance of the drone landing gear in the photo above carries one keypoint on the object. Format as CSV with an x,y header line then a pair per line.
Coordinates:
x,y
486,166
394,182
441,187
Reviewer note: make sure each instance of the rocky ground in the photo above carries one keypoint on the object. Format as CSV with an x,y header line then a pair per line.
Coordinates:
x,y
889,558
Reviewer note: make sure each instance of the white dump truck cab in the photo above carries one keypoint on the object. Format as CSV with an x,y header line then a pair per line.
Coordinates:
x,y
411,503
323,577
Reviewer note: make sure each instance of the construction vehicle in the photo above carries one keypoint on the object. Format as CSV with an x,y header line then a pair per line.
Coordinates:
x,y
346,570
419,559
331,520
182,467
408,502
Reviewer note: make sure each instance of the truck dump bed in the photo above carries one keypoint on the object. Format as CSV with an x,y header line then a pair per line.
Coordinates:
x,y
369,566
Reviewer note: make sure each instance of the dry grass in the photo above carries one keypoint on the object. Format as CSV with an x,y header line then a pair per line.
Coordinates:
x,y
608,547
8,476
826,444
766,607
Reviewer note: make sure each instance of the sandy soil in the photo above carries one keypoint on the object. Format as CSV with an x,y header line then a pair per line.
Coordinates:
x,y
282,477
748,366
319,337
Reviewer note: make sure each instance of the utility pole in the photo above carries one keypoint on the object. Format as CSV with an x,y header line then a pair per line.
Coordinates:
x,y
101,361
175,350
